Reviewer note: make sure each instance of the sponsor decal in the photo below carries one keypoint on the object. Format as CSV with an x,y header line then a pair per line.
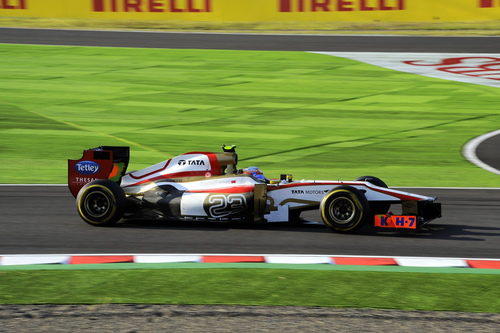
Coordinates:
x,y
152,6
87,167
476,68
13,4
396,221
221,205
309,191
485,67
339,5
191,162
84,180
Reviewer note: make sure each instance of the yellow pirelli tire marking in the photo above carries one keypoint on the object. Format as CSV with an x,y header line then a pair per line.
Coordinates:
x,y
353,198
111,197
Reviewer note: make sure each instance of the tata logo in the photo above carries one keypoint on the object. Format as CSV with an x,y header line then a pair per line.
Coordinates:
x,y
191,162
87,167
297,192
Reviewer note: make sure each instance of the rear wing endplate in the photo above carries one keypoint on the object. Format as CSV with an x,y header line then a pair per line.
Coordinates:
x,y
104,162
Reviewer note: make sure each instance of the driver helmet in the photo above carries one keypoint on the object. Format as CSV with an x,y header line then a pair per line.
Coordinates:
x,y
255,172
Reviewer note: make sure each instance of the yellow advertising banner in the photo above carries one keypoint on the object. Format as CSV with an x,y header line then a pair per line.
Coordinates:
x,y
259,10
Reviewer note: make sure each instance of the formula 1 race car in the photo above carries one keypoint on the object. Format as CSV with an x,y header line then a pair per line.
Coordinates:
x,y
204,186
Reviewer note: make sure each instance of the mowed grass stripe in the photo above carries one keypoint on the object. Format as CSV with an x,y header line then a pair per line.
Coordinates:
x,y
312,115
247,286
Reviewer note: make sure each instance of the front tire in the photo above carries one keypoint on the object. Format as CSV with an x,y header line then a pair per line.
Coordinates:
x,y
101,202
376,208
344,209
373,180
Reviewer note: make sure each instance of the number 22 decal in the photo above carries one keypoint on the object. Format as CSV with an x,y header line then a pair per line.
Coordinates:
x,y
221,205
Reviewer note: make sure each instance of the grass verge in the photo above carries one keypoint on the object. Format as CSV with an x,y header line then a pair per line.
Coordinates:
x,y
391,290
484,28
316,116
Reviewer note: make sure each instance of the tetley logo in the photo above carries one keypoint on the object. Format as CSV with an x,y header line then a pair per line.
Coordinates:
x,y
87,167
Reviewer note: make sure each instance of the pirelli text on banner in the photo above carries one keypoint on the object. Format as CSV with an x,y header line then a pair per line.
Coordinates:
x,y
489,3
13,4
339,5
152,6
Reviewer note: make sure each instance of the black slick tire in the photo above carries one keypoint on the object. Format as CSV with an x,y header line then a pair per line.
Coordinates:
x,y
344,209
376,208
101,202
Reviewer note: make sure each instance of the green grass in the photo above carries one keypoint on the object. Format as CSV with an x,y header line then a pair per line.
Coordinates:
x,y
316,116
245,286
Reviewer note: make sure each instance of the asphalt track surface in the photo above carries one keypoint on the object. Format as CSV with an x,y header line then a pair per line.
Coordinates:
x,y
251,41
43,219
489,152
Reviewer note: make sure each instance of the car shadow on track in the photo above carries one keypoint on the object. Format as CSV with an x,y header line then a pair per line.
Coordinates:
x,y
222,226
431,231
446,232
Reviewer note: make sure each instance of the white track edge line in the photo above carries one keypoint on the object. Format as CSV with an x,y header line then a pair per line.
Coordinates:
x,y
469,151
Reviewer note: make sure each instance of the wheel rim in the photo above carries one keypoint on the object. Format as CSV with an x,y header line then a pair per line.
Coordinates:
x,y
97,204
342,210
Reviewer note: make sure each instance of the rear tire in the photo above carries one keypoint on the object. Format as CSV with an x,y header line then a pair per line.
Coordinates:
x,y
101,202
376,208
344,209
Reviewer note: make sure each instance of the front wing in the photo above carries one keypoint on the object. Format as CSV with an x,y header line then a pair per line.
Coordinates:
x,y
417,210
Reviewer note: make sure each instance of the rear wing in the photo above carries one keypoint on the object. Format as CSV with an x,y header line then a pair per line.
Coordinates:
x,y
104,162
